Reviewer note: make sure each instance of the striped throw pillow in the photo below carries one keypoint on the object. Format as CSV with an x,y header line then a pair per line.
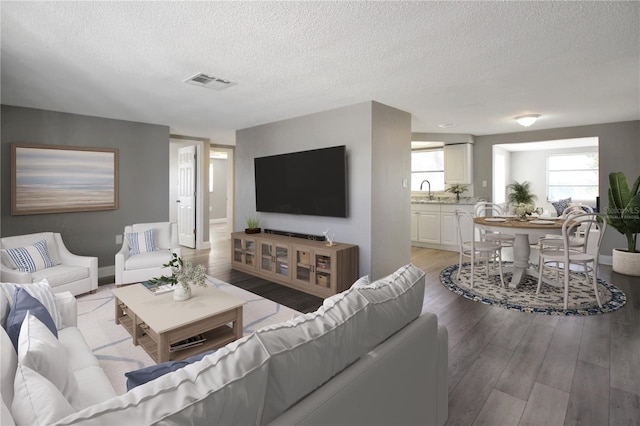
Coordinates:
x,y
142,242
31,258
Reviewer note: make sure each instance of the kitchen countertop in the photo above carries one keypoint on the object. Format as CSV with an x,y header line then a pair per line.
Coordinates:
x,y
446,200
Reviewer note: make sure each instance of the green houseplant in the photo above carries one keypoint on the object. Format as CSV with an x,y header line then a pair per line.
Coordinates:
x,y
623,214
253,225
521,193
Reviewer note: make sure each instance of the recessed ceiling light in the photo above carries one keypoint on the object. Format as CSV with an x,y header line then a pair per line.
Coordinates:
x,y
446,125
526,120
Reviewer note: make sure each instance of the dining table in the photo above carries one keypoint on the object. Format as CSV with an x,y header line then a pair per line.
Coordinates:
x,y
525,232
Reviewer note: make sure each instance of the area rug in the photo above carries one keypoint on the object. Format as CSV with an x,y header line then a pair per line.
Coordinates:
x,y
550,301
113,347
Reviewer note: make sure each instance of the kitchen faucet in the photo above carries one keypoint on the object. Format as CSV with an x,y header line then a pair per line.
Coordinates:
x,y
429,183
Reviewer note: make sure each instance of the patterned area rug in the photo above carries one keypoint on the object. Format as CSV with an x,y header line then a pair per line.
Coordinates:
x,y
112,345
550,301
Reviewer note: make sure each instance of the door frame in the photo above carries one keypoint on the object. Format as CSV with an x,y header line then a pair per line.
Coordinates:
x,y
231,174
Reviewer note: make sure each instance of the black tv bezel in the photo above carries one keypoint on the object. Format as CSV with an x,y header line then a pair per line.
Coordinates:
x,y
344,212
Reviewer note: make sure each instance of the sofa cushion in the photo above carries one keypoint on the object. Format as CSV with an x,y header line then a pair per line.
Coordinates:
x,y
40,350
309,349
561,205
24,305
30,258
142,242
394,301
163,233
148,260
143,375
76,348
40,290
8,365
62,274
94,385
224,388
37,401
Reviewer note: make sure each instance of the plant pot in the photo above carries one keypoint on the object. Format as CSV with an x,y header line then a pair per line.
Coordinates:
x,y
251,230
626,263
181,292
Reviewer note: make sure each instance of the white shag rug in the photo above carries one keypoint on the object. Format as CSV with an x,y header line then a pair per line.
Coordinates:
x,y
112,344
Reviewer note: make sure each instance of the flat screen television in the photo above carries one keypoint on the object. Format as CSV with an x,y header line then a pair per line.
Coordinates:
x,y
307,183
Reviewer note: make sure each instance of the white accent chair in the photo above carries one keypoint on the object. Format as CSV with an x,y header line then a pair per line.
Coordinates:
x,y
143,266
476,250
77,274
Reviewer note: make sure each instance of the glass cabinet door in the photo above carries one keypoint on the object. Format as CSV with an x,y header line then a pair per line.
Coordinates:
x,y
282,261
266,257
250,253
238,250
303,266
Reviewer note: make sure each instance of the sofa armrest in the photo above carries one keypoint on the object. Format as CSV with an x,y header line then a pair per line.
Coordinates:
x,y
8,275
68,308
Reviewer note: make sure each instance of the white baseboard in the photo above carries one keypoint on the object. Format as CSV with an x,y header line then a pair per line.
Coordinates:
x,y
606,260
107,271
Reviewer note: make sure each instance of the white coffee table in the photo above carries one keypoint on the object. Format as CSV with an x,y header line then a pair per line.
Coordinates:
x,y
157,321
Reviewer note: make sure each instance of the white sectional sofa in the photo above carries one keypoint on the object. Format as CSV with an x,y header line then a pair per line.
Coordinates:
x,y
94,386
368,356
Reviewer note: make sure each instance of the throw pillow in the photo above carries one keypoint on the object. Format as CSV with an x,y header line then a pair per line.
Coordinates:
x,y
24,303
37,401
30,258
560,205
146,374
41,290
142,242
39,350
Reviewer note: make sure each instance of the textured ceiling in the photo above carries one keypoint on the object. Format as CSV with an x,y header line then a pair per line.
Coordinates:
x,y
475,64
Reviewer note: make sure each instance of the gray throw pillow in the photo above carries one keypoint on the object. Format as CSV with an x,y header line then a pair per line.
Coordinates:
x,y
23,302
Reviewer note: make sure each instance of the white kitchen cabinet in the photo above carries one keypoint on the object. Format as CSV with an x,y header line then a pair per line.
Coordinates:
x,y
458,161
434,225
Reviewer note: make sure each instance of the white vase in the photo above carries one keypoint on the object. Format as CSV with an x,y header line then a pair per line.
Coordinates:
x,y
626,263
182,292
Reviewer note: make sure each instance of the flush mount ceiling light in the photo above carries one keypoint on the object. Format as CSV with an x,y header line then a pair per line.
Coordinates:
x,y
526,120
446,125
209,81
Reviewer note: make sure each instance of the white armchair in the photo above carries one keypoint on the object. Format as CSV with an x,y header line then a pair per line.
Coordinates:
x,y
63,270
145,265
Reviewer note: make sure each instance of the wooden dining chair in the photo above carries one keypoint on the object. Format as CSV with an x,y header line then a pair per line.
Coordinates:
x,y
484,209
565,255
476,250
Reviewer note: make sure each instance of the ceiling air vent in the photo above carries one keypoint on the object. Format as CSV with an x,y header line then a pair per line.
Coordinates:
x,y
208,81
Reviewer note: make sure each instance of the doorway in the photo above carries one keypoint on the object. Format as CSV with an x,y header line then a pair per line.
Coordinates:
x,y
220,187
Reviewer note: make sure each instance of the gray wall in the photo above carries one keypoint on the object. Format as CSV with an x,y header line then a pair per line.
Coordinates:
x,y
143,176
351,126
619,150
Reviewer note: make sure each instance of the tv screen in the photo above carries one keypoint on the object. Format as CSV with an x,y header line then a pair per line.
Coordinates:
x,y
308,182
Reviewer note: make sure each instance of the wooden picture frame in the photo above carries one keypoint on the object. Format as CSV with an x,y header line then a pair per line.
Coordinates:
x,y
60,178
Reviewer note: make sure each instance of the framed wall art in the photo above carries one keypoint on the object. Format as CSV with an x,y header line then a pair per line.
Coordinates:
x,y
59,178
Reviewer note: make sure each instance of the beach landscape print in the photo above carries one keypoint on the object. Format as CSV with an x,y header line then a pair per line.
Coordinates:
x,y
55,179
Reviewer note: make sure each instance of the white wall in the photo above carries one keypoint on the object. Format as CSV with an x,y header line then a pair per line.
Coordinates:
x,y
351,126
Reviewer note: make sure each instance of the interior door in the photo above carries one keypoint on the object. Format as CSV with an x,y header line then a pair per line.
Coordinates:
x,y
187,196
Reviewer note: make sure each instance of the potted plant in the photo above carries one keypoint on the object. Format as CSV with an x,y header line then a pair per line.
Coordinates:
x,y
623,214
253,225
184,273
521,193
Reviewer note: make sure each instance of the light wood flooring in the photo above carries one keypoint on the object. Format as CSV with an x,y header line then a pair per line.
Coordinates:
x,y
512,368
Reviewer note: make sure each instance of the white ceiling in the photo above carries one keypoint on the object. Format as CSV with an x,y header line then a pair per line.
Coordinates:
x,y
475,64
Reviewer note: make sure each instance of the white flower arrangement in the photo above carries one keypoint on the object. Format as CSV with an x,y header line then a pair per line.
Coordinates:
x,y
457,189
183,272
523,209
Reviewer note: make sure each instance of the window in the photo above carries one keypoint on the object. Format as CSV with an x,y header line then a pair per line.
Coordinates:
x,y
427,165
573,175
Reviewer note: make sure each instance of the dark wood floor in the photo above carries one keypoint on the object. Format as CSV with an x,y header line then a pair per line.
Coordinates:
x,y
507,367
